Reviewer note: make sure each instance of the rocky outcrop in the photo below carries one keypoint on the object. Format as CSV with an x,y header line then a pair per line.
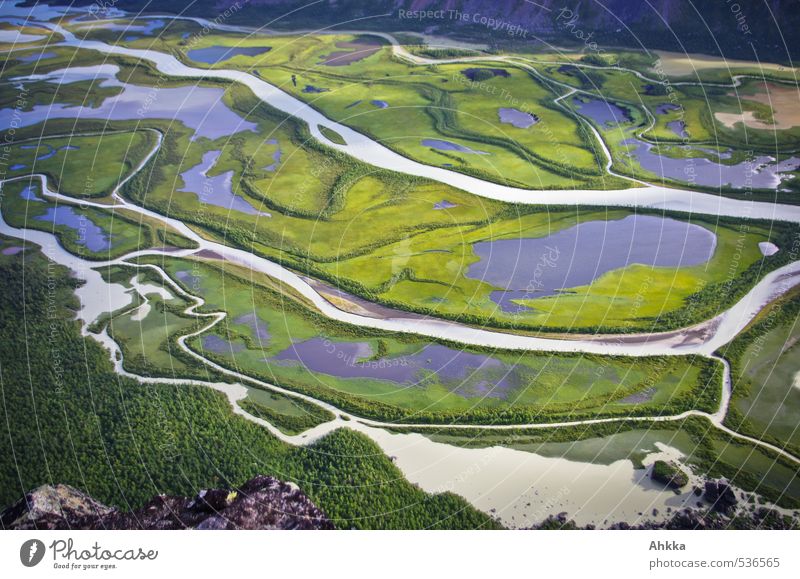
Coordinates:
x,y
261,503
693,519
721,496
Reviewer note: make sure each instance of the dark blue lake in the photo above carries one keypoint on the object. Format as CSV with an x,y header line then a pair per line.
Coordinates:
x,y
89,235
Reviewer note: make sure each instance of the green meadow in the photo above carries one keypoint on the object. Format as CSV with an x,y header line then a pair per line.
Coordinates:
x,y
124,442
311,204
83,166
264,326
765,367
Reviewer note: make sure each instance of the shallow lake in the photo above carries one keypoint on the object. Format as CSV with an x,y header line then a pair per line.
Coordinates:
x,y
89,235
517,118
679,128
199,108
259,327
216,190
440,145
215,54
600,111
29,193
761,173
217,345
463,372
530,268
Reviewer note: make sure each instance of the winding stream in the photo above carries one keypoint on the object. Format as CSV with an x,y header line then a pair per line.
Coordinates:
x,y
501,479
373,153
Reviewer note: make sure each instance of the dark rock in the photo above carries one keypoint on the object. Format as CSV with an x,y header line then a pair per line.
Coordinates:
x,y
261,503
48,507
721,496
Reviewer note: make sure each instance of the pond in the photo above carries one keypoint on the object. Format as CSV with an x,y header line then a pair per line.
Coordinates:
x,y
216,190
276,156
679,128
761,173
666,108
259,327
188,278
215,54
471,375
602,112
478,74
199,108
530,268
89,235
310,88
38,57
51,151
517,118
29,193
215,344
440,145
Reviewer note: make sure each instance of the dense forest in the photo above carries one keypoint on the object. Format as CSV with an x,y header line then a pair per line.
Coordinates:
x,y
68,418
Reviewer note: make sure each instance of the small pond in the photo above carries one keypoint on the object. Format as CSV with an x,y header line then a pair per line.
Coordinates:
x,y
484,73
353,51
440,145
38,57
216,190
259,327
602,112
89,235
761,173
29,193
517,118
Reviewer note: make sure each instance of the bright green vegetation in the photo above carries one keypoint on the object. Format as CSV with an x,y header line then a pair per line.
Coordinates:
x,y
125,233
143,330
69,418
765,366
706,451
332,135
706,137
412,256
431,103
528,386
83,166
669,474
291,415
